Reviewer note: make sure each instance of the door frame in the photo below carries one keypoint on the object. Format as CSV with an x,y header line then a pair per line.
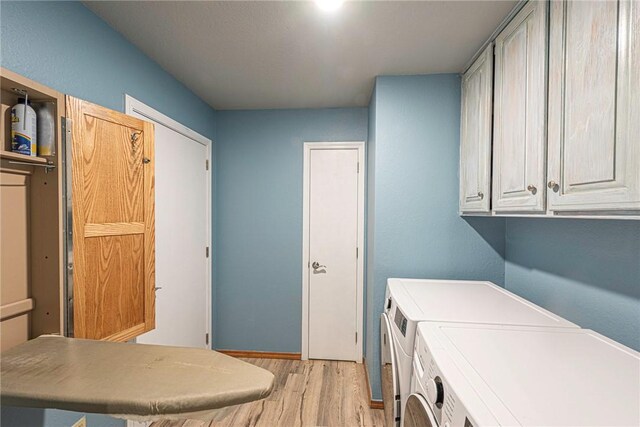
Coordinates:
x,y
308,146
132,106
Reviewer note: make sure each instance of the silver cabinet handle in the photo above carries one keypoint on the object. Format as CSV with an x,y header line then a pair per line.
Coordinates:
x,y
480,195
554,186
532,189
157,288
316,265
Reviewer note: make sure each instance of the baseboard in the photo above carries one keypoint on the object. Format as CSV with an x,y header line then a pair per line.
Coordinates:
x,y
373,404
261,354
376,404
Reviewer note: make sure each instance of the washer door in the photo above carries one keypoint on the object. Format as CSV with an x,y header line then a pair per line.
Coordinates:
x,y
417,413
389,374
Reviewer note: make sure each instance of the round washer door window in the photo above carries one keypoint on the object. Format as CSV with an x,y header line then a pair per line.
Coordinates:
x,y
417,413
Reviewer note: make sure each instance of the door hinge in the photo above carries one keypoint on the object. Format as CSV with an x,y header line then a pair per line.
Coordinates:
x,y
356,337
207,251
308,264
358,168
206,164
356,252
206,338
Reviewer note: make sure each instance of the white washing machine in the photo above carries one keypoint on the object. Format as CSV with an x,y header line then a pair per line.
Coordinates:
x,y
474,375
409,301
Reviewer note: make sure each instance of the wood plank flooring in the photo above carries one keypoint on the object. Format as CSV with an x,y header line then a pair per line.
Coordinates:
x,y
306,393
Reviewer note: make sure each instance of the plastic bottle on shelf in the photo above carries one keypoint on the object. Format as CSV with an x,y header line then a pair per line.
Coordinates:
x,y
46,117
24,128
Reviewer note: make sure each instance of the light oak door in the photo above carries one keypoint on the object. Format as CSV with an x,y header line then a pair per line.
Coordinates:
x,y
475,132
113,223
519,111
594,106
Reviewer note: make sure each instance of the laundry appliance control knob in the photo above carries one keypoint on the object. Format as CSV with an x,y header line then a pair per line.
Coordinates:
x,y
435,391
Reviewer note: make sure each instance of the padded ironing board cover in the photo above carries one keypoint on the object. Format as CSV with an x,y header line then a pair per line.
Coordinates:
x,y
134,381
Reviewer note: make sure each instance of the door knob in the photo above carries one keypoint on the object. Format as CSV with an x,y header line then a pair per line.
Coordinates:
x,y
554,186
316,265
533,189
480,195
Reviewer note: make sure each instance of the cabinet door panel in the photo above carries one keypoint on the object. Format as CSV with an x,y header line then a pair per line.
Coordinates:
x,y
475,141
513,106
113,279
520,107
113,223
594,106
109,166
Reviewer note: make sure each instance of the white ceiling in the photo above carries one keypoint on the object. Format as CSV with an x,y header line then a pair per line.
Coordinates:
x,y
290,54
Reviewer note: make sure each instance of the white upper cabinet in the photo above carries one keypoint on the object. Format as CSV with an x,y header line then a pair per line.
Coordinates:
x,y
520,112
475,134
594,106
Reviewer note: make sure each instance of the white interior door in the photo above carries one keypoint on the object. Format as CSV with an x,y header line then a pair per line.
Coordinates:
x,y
182,236
333,245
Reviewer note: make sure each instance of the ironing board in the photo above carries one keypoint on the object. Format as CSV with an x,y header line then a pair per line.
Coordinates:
x,y
133,381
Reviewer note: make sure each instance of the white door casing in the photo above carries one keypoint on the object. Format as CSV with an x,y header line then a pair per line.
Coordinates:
x,y
333,236
183,232
520,103
594,106
475,140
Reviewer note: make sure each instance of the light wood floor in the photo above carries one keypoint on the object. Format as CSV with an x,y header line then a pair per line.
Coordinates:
x,y
306,393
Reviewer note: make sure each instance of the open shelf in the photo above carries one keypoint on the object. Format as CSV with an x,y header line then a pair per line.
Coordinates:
x,y
31,270
9,155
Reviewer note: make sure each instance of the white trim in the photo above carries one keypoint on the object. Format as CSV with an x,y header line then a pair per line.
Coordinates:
x,y
132,106
308,146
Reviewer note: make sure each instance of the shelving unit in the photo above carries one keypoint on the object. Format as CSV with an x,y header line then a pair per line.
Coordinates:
x,y
31,241
11,156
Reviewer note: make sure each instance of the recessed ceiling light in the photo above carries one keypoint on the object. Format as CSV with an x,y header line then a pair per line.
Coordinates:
x,y
329,5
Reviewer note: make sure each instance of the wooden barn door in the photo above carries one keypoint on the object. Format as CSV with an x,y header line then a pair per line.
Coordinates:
x,y
112,176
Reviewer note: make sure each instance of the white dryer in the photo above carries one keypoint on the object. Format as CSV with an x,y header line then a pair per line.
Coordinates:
x,y
474,375
409,301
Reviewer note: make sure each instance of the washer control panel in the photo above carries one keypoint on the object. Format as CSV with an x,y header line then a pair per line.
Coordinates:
x,y
401,322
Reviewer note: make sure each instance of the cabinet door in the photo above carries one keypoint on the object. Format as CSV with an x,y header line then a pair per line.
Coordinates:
x,y
113,223
520,109
475,134
594,106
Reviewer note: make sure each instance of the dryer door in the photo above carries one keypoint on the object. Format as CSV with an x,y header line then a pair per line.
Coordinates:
x,y
389,374
417,413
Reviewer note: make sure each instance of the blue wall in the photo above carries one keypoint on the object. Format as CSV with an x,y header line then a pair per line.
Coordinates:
x,y
32,417
259,221
65,46
417,229
587,271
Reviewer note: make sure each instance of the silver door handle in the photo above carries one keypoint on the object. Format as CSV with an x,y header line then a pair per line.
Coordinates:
x,y
316,265
157,288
